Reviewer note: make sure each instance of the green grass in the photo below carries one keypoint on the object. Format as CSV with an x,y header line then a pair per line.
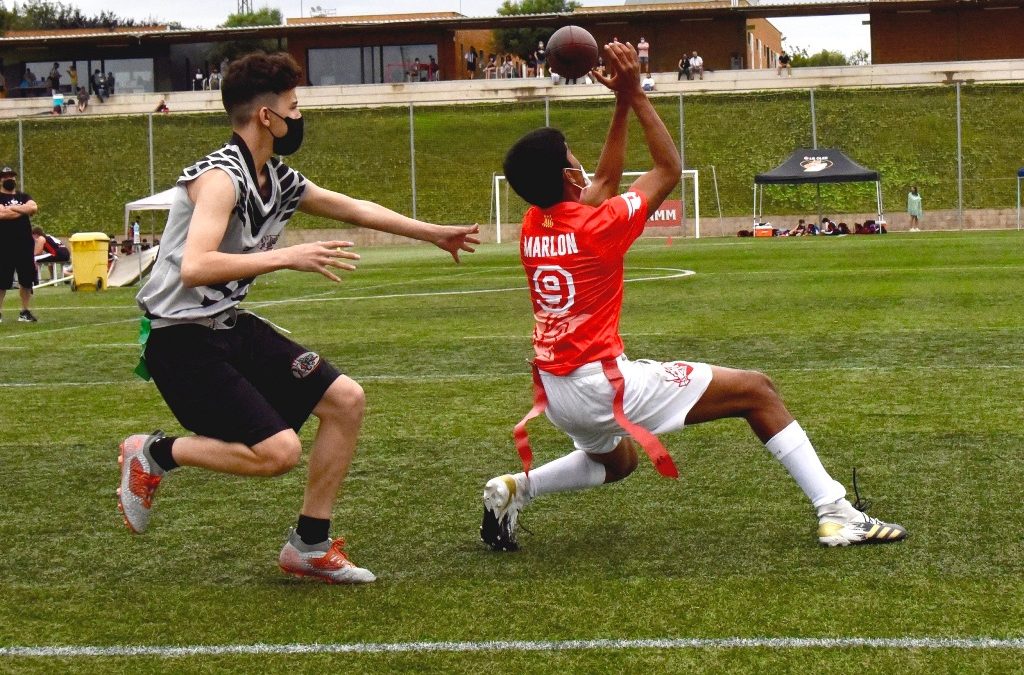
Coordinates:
x,y
909,135
900,355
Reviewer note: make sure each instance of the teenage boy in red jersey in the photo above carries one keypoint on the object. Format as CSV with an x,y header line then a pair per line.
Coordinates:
x,y
572,245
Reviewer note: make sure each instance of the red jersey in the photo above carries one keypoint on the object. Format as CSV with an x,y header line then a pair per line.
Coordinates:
x,y
572,255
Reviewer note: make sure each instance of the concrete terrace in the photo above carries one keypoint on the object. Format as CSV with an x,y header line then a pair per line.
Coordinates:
x,y
448,92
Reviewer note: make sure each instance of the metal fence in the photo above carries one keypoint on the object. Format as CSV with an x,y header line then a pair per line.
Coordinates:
x,y
960,144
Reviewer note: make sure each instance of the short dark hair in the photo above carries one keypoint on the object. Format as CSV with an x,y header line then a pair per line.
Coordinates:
x,y
256,75
533,166
38,231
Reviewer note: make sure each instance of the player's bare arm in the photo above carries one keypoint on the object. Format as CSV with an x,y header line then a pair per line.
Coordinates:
x,y
318,201
659,182
202,264
607,176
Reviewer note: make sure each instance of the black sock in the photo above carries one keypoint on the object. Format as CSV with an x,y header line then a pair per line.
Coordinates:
x,y
312,530
160,451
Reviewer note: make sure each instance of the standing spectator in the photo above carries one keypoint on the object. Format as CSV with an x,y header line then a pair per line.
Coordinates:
x,y
684,68
99,84
696,65
3,86
16,243
198,80
643,50
110,83
53,79
785,63
82,99
541,55
433,70
914,209
73,76
30,78
471,62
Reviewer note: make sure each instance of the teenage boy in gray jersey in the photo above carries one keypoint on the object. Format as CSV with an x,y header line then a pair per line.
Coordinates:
x,y
239,386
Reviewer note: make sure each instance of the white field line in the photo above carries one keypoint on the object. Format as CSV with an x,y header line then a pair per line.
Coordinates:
x,y
808,271
673,274
903,643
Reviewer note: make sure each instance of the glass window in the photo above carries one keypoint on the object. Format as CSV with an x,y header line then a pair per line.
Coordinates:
x,y
131,76
400,62
370,65
335,66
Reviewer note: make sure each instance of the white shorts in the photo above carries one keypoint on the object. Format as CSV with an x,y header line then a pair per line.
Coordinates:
x,y
658,397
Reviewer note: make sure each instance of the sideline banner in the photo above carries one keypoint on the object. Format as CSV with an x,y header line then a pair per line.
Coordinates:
x,y
669,214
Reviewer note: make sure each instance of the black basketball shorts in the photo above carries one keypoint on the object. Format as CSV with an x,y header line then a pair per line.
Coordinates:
x,y
242,384
25,267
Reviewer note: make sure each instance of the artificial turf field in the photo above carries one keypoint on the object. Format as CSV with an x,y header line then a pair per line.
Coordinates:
x,y
900,355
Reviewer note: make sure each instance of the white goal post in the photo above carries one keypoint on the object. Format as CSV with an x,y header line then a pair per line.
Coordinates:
x,y
508,208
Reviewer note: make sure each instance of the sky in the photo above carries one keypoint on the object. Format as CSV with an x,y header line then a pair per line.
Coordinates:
x,y
841,33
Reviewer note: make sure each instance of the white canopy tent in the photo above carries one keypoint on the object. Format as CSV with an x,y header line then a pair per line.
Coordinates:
x,y
161,201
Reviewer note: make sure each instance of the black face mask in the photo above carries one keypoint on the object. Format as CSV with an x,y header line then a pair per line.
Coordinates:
x,y
9,184
292,139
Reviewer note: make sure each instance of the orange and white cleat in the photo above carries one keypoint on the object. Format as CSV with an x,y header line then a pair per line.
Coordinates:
x,y
327,562
139,481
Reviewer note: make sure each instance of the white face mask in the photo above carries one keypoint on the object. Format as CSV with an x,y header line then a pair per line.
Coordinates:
x,y
586,178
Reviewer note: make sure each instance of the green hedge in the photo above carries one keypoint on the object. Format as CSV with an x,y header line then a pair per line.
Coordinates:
x,y
81,170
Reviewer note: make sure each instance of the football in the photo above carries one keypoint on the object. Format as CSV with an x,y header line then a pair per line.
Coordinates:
x,y
571,52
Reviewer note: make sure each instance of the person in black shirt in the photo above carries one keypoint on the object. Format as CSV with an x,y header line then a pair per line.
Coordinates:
x,y
785,63
16,243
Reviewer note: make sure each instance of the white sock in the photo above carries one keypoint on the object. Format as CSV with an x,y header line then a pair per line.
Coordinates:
x,y
792,447
575,471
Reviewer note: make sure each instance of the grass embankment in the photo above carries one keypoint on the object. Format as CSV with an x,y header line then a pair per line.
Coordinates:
x,y
83,170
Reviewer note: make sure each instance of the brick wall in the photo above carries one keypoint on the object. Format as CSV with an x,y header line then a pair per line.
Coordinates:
x,y
952,34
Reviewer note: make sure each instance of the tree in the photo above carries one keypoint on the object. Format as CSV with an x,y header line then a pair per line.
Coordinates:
x,y
825,57
860,58
232,50
48,14
523,41
265,16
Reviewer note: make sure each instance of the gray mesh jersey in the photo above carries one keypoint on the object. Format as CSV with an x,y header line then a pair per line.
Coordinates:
x,y
254,226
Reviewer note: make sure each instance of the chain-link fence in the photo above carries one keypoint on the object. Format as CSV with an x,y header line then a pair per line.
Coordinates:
x,y
960,144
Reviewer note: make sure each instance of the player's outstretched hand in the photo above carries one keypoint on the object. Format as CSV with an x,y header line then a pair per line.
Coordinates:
x,y
455,239
319,256
623,67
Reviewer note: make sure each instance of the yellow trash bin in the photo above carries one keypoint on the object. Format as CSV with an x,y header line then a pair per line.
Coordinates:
x,y
89,260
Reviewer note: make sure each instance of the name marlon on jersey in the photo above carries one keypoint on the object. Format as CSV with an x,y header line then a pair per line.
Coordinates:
x,y
550,245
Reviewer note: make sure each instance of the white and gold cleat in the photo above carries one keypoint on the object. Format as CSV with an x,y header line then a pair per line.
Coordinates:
x,y
504,497
840,524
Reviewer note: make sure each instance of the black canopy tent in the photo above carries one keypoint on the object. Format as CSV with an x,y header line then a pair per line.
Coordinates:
x,y
816,166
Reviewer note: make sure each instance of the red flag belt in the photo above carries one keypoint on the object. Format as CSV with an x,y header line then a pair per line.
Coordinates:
x,y
648,441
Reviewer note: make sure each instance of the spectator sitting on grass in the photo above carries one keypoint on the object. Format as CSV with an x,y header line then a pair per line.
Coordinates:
x,y
83,99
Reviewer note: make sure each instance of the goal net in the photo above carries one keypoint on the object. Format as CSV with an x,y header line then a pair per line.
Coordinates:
x,y
681,209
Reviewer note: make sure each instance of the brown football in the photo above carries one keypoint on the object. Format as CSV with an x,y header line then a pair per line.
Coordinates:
x,y
571,52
